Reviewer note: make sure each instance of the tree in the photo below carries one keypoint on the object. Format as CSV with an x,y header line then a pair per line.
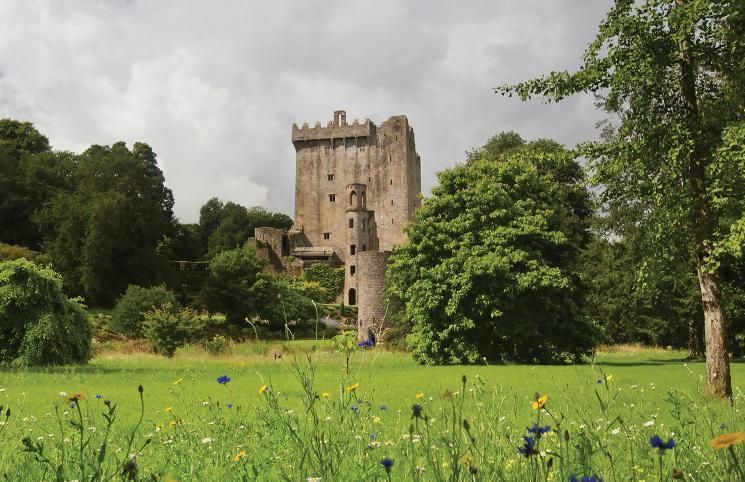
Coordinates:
x,y
104,232
39,325
489,267
329,278
672,73
238,285
130,309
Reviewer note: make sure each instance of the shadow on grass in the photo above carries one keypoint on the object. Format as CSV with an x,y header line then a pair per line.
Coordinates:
x,y
650,362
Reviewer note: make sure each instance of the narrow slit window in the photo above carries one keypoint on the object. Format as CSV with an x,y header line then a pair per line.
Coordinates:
x,y
326,235
331,177
332,198
352,249
352,270
351,222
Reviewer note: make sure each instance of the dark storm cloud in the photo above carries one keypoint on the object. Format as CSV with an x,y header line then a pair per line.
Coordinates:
x,y
215,86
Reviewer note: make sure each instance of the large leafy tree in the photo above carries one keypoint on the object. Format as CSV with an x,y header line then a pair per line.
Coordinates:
x,y
672,72
489,269
103,233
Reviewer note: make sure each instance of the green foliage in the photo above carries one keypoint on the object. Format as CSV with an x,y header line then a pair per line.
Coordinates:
x,y
291,305
217,345
489,269
103,233
169,328
9,252
345,343
329,278
238,285
129,313
228,226
39,325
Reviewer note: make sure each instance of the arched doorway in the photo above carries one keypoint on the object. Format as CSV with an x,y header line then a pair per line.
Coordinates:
x,y
352,297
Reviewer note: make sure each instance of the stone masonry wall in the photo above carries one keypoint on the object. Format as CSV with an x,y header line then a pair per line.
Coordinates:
x,y
371,266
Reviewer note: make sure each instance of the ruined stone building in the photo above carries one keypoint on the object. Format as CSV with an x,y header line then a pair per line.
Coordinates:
x,y
356,188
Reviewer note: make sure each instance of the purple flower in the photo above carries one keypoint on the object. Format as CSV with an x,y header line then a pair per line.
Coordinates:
x,y
384,407
223,380
99,397
657,443
585,478
354,408
539,430
366,344
387,464
229,405
72,405
528,447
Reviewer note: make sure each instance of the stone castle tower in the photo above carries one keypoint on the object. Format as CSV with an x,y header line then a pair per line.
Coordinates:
x,y
356,188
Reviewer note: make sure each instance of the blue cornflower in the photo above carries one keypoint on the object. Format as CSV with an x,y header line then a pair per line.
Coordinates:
x,y
528,447
229,405
354,408
223,380
657,443
384,407
600,381
72,405
585,478
99,397
373,436
539,430
366,344
387,463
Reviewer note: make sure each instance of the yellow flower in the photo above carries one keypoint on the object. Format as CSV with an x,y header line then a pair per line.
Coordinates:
x,y
263,389
239,456
727,440
609,378
445,465
173,423
352,387
540,402
419,395
178,381
376,420
325,395
169,409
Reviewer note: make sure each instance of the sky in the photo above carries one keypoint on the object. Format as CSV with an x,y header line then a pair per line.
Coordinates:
x,y
214,86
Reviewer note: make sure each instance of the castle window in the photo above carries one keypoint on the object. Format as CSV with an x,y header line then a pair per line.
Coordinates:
x,y
331,177
352,249
351,222
390,158
364,248
352,270
326,235
391,202
332,198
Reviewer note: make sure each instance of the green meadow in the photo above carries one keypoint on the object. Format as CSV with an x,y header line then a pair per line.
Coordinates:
x,y
300,416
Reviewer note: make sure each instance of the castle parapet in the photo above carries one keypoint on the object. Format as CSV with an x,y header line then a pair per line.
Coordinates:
x,y
337,128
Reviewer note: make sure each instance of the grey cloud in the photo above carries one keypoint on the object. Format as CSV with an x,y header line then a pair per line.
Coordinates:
x,y
215,86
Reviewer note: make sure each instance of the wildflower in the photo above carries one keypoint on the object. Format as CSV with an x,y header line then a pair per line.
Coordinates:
x,y
173,423
72,405
223,380
239,456
539,430
419,395
99,397
387,464
528,447
325,395
648,423
229,405
609,378
352,387
63,394
600,381
727,440
76,397
376,420
169,409
207,440
540,401
354,408
313,479
366,344
383,408
585,478
178,382
416,411
656,442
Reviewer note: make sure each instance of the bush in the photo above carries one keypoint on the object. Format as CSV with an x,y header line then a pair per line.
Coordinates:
x,y
216,345
330,279
39,325
169,328
129,312
9,252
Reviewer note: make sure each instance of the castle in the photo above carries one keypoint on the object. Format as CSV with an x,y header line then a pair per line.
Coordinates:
x,y
356,188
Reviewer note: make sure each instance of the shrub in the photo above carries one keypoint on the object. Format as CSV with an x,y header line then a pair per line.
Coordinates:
x,y
130,309
169,328
216,345
330,279
9,252
39,325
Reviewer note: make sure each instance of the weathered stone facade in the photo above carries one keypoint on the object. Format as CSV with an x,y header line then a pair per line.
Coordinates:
x,y
356,188
371,311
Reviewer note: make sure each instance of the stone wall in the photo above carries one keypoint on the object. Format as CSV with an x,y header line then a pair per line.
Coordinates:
x,y
371,268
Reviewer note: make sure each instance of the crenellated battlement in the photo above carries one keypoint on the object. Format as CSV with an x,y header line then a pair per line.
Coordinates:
x,y
337,128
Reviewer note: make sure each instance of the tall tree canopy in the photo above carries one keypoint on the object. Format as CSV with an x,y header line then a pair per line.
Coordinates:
x,y
672,72
489,269
103,233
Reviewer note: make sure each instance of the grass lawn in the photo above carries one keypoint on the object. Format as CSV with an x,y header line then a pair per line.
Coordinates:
x,y
344,434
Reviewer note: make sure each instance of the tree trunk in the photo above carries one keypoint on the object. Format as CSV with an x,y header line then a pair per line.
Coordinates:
x,y
717,359
695,342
